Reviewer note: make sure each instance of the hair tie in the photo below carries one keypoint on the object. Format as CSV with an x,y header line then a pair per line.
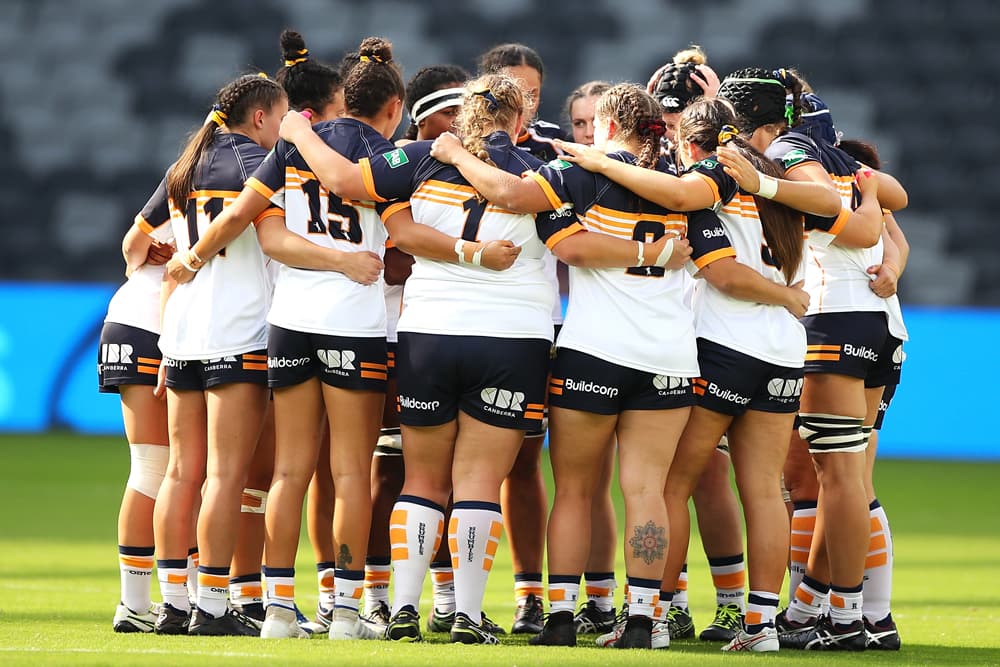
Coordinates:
x,y
262,75
368,59
491,102
303,56
652,126
727,134
789,113
783,77
218,116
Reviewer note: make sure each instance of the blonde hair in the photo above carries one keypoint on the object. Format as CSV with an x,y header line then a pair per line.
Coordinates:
x,y
636,114
490,101
692,54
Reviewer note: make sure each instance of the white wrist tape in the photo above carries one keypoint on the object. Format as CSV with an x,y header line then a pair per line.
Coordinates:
x,y
185,260
149,464
477,257
253,501
768,186
460,251
640,257
664,256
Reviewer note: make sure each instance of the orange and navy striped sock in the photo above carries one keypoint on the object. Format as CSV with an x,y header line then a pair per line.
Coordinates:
x,y
443,580
246,589
135,564
762,607
280,586
601,589
350,585
810,598
643,596
564,589
528,583
878,566
327,592
193,561
473,537
800,542
376,583
845,605
213,589
415,528
729,577
680,599
172,573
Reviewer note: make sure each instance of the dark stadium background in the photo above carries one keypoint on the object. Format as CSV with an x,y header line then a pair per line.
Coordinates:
x,y
96,98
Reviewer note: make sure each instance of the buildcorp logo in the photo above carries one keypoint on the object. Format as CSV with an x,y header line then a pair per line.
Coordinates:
x,y
591,387
411,403
502,401
860,351
727,394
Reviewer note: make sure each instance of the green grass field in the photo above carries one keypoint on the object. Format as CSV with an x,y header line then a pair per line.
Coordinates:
x,y
59,578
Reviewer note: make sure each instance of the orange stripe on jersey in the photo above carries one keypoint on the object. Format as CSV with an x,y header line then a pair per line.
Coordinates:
x,y
437,200
563,234
822,357
800,164
212,194
711,184
294,173
369,180
254,367
451,189
550,193
143,225
259,188
269,212
393,210
626,217
699,391
841,221
148,370
372,375
714,256
823,348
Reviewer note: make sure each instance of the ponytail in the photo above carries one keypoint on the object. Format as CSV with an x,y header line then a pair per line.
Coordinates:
x,y
491,101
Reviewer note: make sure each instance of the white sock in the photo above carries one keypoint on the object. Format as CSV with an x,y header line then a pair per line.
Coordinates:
x,y
803,526
643,596
327,591
845,605
762,607
376,583
729,576
473,537
681,592
213,589
136,567
415,529
810,599
443,579
350,585
601,589
193,561
246,589
564,589
878,566
280,586
173,577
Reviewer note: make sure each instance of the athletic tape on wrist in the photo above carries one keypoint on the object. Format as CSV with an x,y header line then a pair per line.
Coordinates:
x,y
477,257
460,251
664,256
185,260
640,257
768,186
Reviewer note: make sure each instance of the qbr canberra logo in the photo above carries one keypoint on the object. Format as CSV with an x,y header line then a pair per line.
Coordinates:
x,y
502,401
343,359
784,388
115,353
668,384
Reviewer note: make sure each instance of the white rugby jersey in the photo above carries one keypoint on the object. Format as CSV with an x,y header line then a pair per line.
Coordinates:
x,y
327,302
137,301
461,299
763,331
393,310
634,317
836,276
221,311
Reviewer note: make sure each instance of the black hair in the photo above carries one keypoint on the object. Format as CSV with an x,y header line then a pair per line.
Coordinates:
x,y
309,83
510,55
373,80
425,82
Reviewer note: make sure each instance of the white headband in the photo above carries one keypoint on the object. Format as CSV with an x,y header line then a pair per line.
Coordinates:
x,y
434,102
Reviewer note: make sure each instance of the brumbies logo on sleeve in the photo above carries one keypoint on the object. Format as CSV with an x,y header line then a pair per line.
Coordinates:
x,y
559,165
707,164
396,158
793,157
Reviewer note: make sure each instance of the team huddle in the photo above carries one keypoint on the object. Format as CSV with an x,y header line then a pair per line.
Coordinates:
x,y
374,331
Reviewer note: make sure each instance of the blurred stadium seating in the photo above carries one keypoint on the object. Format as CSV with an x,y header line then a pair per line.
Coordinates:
x,y
97,96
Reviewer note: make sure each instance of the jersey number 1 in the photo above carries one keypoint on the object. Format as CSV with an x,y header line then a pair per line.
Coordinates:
x,y
211,208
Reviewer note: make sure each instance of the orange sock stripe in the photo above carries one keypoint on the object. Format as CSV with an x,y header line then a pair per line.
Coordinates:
x,y
524,591
876,560
142,562
730,580
804,597
682,585
804,523
877,542
798,556
875,526
557,594
377,579
177,578
286,591
802,541
440,535
837,601
397,536
496,530
443,577
454,561
398,518
213,580
326,583
399,553
251,591
752,618
598,592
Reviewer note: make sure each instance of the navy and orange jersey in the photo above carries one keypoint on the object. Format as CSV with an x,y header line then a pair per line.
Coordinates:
x,y
460,299
708,238
222,311
724,187
793,149
156,213
607,307
538,139
327,302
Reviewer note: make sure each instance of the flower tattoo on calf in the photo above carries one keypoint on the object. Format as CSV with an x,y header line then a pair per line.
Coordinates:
x,y
648,542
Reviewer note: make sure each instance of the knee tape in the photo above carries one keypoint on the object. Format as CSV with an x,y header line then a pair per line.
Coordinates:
x,y
253,501
148,465
831,433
